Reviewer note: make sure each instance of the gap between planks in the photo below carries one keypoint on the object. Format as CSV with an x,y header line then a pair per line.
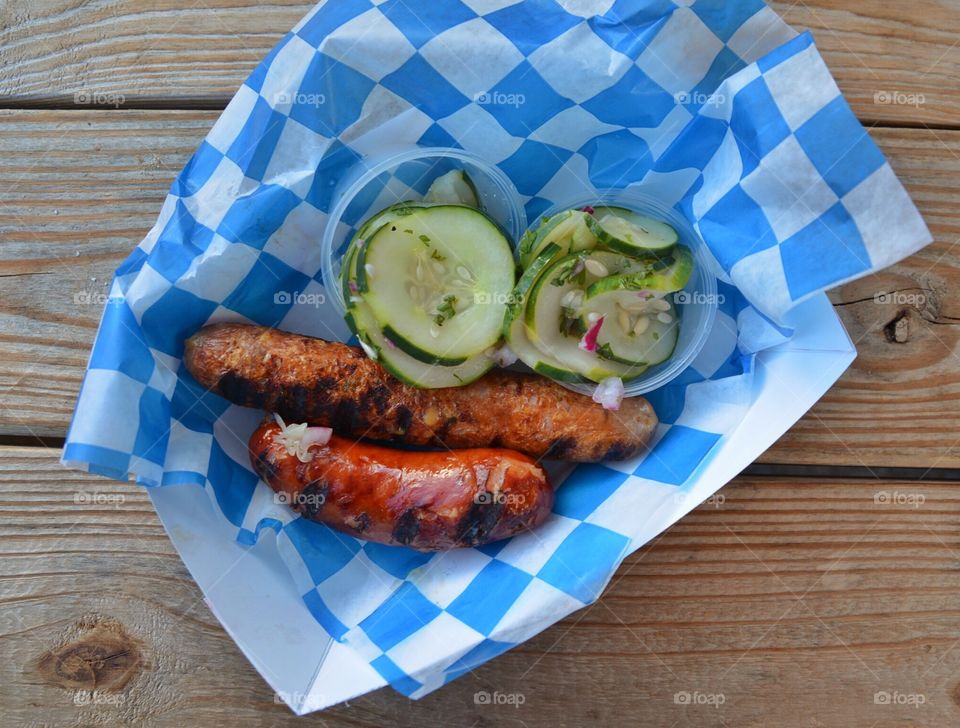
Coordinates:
x,y
219,103
772,470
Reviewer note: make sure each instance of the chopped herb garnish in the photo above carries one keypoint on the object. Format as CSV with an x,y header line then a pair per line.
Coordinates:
x,y
605,352
436,255
446,309
407,230
424,238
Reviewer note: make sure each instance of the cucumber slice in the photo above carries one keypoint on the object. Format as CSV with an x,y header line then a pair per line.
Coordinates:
x,y
670,277
515,328
630,232
608,263
568,229
533,357
453,188
438,283
347,274
405,367
519,296
640,331
544,316
348,264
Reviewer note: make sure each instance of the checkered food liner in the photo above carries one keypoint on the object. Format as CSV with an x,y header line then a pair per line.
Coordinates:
x,y
717,108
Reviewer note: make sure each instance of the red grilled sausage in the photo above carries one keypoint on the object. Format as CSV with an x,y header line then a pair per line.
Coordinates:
x,y
429,501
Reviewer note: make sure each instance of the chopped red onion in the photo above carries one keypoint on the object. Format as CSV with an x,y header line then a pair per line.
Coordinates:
x,y
589,210
589,340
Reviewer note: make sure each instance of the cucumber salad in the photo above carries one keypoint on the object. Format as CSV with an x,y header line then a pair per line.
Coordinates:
x,y
593,303
431,291
426,286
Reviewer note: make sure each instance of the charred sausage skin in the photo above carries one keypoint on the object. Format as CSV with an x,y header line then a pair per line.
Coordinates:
x,y
429,501
334,385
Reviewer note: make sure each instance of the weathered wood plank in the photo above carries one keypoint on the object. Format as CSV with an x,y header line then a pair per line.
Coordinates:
x,y
142,51
83,188
789,602
896,64
898,404
163,53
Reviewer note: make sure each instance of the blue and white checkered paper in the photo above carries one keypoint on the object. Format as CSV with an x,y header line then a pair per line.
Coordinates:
x,y
717,107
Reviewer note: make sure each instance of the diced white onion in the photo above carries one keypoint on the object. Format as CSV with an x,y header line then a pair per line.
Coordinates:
x,y
609,393
298,439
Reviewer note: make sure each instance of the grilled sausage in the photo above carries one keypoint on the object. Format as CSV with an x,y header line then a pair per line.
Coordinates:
x,y
429,501
334,385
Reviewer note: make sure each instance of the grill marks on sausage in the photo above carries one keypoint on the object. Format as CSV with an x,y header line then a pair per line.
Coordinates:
x,y
404,419
242,390
478,521
619,451
407,527
561,448
369,491
334,385
264,466
313,497
360,522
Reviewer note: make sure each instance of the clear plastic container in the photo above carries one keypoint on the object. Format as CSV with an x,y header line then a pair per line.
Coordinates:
x,y
696,304
378,182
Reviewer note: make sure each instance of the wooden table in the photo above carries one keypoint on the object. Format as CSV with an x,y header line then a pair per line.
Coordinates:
x,y
803,599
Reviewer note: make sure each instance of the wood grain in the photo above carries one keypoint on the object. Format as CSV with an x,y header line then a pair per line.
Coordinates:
x,y
895,64
791,601
152,53
82,188
898,403
141,52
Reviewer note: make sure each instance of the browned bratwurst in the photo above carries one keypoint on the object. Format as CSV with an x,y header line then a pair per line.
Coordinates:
x,y
334,385
428,501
